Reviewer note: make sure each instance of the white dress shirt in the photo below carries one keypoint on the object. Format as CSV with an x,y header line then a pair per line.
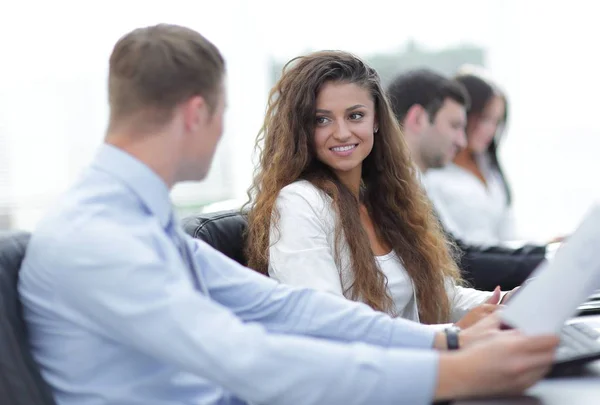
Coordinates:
x,y
118,315
302,254
470,210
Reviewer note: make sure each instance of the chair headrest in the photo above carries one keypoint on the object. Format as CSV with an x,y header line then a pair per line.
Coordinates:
x,y
20,379
225,231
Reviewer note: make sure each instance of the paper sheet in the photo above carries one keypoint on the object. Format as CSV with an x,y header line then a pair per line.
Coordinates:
x,y
559,286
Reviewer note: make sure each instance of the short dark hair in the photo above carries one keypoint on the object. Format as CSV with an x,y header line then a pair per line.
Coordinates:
x,y
426,88
153,69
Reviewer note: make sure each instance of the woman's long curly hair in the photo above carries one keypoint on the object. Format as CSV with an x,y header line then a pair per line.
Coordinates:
x,y
390,190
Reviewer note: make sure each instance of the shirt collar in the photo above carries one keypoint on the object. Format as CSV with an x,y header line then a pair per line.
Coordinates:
x,y
138,177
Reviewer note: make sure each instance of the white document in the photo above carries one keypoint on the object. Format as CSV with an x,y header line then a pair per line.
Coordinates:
x,y
558,287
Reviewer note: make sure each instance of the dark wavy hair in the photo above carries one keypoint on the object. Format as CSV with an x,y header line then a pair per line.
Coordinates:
x,y
390,189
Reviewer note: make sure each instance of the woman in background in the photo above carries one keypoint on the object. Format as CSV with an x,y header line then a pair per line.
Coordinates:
x,y
336,205
472,195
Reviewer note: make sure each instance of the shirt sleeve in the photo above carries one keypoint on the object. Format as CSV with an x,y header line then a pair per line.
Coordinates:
x,y
301,251
126,286
295,310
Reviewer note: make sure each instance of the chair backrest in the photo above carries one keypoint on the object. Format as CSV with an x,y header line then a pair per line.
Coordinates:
x,y
225,231
20,380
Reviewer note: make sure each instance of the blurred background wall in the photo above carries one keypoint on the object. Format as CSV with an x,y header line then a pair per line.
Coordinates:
x,y
53,102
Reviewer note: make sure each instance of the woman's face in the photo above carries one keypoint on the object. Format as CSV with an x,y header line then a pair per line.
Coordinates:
x,y
481,131
344,125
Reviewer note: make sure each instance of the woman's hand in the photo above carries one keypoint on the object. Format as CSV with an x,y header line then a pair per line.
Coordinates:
x,y
557,239
475,315
481,311
508,295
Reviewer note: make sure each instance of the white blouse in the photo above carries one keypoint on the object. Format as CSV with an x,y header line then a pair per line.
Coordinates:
x,y
470,210
302,254
400,285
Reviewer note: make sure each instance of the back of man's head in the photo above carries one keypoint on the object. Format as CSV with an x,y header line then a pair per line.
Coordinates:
x,y
426,88
154,69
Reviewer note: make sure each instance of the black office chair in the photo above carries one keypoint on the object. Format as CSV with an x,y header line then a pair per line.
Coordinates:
x,y
20,380
225,231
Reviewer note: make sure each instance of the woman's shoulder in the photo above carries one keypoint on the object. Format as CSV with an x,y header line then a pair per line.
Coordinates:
x,y
303,191
305,196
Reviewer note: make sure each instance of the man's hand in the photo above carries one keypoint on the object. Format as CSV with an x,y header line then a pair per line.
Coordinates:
x,y
486,328
505,364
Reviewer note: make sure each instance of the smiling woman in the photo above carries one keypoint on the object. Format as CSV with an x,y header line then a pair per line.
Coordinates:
x,y
336,204
344,135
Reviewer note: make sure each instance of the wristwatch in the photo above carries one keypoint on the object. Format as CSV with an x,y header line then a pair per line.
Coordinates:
x,y
452,340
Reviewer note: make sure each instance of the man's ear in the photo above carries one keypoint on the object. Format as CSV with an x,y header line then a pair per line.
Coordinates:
x,y
416,117
195,113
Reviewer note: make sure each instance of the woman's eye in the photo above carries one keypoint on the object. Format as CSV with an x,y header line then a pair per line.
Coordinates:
x,y
322,120
356,116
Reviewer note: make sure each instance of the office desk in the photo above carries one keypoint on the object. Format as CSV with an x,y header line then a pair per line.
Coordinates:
x,y
582,389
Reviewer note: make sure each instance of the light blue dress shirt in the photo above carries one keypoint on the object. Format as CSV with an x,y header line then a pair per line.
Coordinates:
x,y
115,316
